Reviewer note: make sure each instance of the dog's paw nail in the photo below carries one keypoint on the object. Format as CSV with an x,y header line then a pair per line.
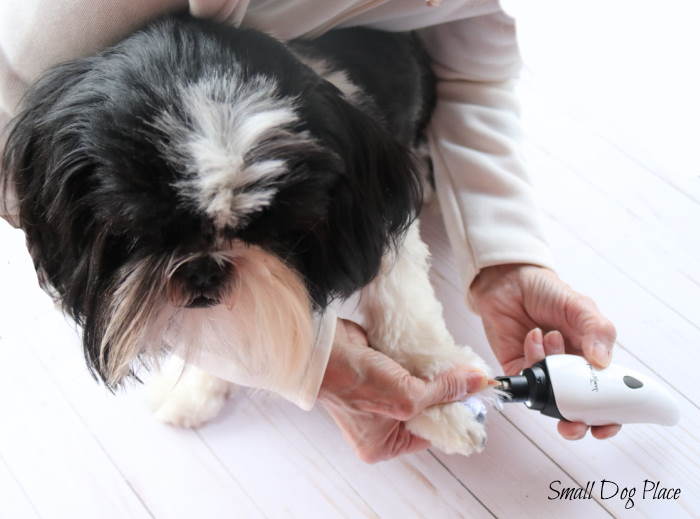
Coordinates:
x,y
477,408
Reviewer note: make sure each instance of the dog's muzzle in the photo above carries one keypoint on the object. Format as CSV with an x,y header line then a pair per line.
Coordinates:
x,y
202,279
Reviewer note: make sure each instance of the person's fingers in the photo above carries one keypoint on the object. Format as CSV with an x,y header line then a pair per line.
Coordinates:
x,y
398,441
352,331
553,343
602,432
533,347
451,386
536,347
595,333
572,430
405,443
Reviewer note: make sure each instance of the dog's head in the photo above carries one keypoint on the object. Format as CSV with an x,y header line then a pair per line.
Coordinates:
x,y
201,174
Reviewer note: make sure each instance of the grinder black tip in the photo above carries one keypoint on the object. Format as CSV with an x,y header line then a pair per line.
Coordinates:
x,y
532,387
517,387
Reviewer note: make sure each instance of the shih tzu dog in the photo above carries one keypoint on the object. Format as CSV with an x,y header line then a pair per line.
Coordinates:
x,y
199,184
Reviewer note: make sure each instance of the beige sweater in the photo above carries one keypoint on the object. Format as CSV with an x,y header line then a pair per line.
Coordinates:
x,y
482,186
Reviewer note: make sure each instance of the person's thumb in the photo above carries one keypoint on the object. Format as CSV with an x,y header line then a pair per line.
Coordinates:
x,y
453,386
597,349
597,334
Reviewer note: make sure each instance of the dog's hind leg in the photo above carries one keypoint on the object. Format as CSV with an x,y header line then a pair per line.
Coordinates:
x,y
185,396
404,321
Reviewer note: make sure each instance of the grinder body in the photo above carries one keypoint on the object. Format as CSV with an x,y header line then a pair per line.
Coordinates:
x,y
568,387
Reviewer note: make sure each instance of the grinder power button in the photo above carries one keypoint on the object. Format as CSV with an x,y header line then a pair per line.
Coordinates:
x,y
632,382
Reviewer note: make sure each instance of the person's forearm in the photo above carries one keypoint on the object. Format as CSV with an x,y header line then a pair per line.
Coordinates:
x,y
488,205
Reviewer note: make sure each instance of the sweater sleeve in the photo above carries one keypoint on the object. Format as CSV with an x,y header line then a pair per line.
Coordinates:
x,y
301,389
485,196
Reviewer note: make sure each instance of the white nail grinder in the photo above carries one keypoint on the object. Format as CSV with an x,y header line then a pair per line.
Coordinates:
x,y
568,387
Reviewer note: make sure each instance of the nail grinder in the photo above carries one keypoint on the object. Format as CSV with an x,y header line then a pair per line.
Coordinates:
x,y
568,387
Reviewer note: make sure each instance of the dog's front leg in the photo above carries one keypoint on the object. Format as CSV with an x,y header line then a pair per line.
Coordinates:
x,y
404,321
185,396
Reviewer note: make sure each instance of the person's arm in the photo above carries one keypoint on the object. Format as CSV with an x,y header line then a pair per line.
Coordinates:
x,y
489,210
484,192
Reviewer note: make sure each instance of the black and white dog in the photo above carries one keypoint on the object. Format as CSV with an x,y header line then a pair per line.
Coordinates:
x,y
198,183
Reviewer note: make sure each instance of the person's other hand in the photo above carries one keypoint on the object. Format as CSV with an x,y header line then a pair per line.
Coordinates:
x,y
516,301
370,396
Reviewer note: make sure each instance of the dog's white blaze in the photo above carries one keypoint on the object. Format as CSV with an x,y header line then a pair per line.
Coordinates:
x,y
226,119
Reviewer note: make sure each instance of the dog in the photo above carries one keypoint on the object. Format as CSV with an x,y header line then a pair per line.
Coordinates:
x,y
198,184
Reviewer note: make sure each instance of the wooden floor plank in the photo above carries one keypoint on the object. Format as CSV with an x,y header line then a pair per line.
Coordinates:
x,y
53,457
14,500
415,485
172,470
609,169
621,190
277,467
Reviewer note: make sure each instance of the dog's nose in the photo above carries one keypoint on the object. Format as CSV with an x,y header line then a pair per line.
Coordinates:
x,y
202,275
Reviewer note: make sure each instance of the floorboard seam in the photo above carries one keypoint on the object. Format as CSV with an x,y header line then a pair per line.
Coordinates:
x,y
461,483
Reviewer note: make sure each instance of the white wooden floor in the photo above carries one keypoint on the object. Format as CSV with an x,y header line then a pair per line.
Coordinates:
x,y
612,147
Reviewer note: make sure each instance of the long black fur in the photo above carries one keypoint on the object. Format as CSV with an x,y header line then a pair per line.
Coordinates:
x,y
95,192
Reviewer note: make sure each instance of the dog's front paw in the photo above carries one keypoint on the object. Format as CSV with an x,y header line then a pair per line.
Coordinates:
x,y
186,397
453,428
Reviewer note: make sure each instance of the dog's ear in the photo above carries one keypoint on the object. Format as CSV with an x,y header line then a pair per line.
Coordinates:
x,y
37,128
376,196
43,168
49,162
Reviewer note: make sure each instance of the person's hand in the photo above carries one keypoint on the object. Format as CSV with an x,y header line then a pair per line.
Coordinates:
x,y
370,396
516,301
